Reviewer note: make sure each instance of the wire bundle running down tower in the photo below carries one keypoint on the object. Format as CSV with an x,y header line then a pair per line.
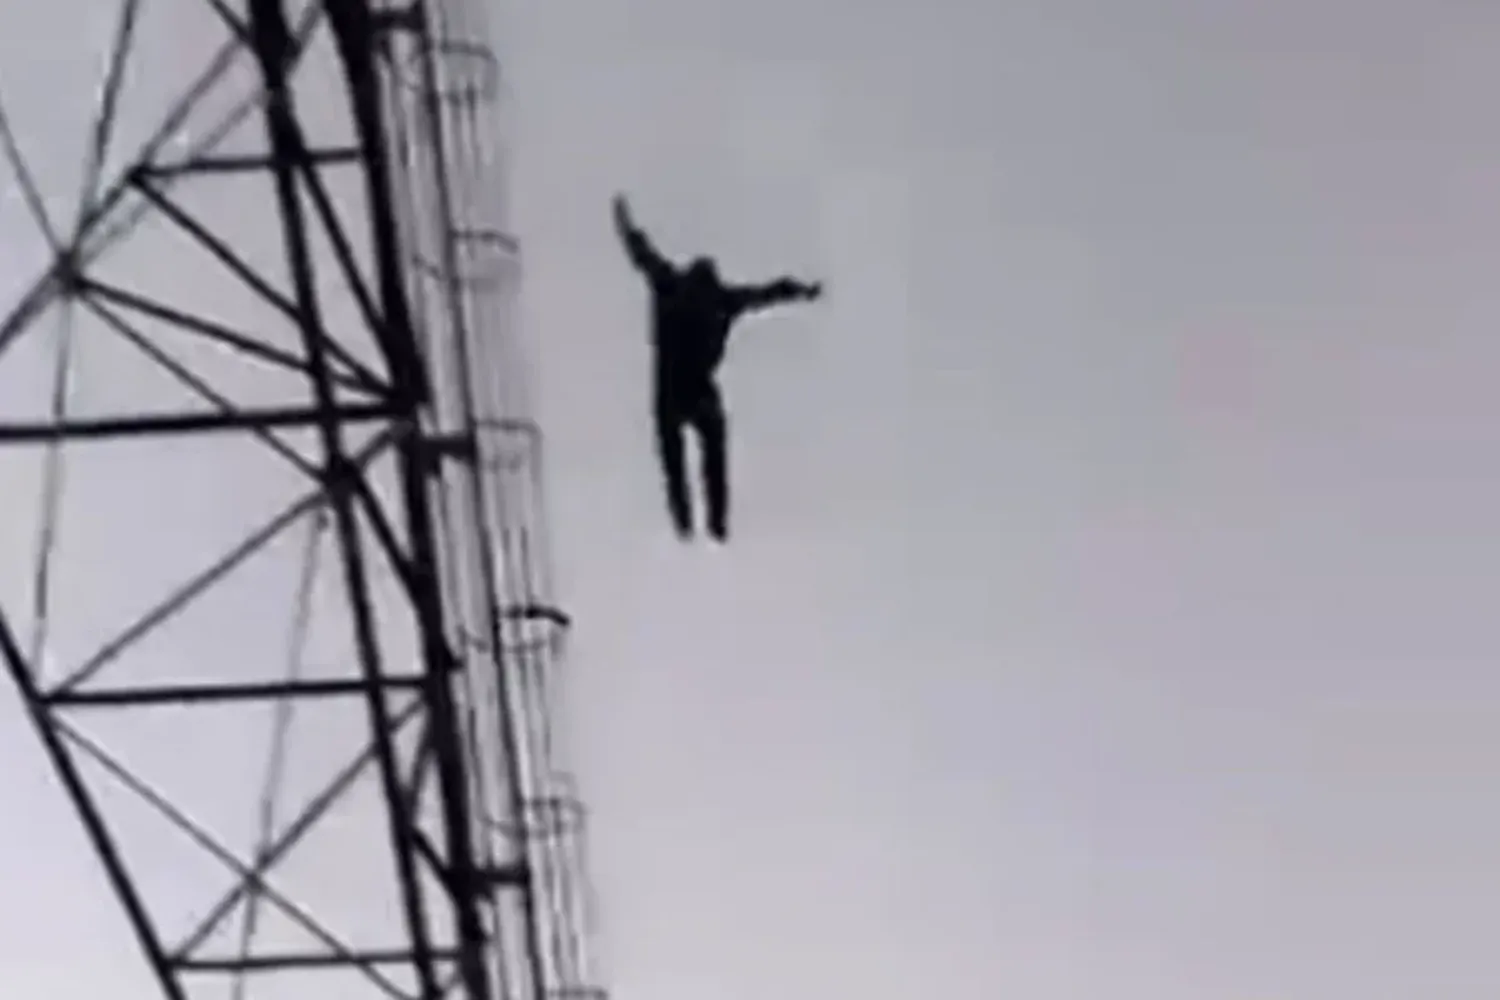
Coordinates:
x,y
423,606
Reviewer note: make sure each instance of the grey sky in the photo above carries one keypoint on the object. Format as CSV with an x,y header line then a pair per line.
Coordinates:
x,y
1106,617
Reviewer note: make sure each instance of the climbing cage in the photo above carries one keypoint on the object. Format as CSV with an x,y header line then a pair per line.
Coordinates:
x,y
273,582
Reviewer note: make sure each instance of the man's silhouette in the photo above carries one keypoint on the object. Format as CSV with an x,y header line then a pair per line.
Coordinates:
x,y
692,313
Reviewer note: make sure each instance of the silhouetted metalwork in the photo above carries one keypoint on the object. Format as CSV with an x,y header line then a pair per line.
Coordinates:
x,y
491,883
692,313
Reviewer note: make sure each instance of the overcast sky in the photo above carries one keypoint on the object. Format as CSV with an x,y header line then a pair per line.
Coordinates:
x,y
1108,615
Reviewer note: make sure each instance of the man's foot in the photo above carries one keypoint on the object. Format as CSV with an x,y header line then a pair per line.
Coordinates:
x,y
682,519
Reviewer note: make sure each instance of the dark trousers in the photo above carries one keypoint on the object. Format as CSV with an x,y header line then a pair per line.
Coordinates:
x,y
701,409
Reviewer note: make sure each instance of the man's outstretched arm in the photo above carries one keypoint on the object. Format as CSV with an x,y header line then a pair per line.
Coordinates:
x,y
748,298
637,245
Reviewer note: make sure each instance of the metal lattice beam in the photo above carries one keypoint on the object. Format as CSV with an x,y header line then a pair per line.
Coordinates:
x,y
454,881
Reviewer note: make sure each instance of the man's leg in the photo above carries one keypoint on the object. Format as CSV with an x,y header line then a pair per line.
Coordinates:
x,y
713,432
670,451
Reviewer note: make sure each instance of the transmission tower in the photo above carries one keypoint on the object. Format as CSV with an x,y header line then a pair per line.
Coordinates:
x,y
286,632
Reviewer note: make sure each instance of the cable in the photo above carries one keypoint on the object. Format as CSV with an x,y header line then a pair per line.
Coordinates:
x,y
52,492
104,121
281,725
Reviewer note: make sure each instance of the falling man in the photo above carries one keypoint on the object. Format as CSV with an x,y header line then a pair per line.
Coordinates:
x,y
692,313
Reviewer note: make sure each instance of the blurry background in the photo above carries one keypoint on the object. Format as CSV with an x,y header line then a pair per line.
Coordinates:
x,y
1108,613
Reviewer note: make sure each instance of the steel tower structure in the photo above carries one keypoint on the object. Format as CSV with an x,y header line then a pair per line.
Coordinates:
x,y
278,327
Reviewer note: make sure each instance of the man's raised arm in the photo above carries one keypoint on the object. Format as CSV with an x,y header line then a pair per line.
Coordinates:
x,y
748,298
642,254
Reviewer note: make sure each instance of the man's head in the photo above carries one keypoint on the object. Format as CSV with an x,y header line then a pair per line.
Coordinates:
x,y
703,272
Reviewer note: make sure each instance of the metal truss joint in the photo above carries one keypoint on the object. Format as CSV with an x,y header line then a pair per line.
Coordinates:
x,y
408,18
515,875
341,475
70,280
459,446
